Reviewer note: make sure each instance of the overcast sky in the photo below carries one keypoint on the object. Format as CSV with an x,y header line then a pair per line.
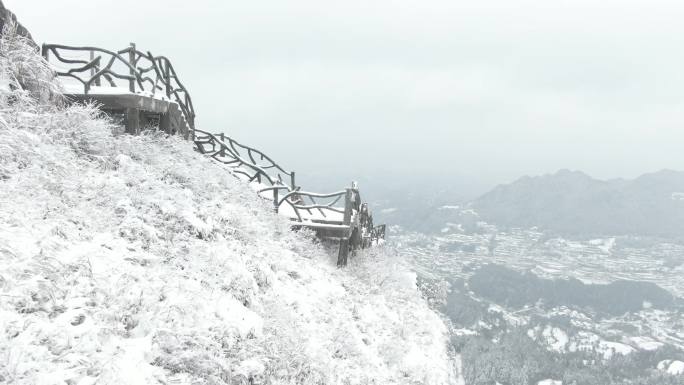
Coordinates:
x,y
495,89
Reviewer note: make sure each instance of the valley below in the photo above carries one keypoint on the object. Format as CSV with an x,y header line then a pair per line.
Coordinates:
x,y
528,307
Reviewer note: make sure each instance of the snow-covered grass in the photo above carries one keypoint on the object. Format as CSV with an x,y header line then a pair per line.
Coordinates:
x,y
134,260
24,68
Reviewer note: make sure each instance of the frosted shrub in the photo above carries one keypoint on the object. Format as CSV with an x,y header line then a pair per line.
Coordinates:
x,y
32,115
27,70
133,259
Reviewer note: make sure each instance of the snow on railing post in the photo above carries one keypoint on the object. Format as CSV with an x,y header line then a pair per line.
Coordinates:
x,y
381,232
348,201
344,243
222,152
95,69
356,198
131,61
275,199
167,79
91,54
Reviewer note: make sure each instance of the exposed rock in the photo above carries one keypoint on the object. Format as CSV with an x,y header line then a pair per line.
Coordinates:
x,y
6,15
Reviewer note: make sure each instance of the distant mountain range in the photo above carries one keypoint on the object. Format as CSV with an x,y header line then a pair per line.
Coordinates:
x,y
573,203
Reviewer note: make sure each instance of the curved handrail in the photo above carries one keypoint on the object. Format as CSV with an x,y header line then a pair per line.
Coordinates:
x,y
92,64
354,229
172,77
321,207
146,73
293,196
100,66
251,151
227,151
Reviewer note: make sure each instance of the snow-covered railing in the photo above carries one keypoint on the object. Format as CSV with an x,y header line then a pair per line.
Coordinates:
x,y
128,78
339,215
378,232
128,70
250,163
315,208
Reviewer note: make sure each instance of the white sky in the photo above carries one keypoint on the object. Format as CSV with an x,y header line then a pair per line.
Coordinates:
x,y
496,89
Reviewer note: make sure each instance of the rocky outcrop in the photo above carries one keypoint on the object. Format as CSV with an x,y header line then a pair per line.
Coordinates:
x,y
6,15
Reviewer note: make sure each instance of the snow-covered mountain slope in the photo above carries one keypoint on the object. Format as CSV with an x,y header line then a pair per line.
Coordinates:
x,y
134,260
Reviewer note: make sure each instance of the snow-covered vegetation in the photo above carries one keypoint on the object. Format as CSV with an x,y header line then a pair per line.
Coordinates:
x,y
134,260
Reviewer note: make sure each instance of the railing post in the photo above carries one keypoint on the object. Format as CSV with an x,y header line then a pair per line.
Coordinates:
x,y
167,80
94,70
132,62
222,152
344,243
169,121
275,199
364,219
292,180
348,200
45,52
132,121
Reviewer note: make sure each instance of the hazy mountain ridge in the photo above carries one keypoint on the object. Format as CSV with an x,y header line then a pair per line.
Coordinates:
x,y
573,203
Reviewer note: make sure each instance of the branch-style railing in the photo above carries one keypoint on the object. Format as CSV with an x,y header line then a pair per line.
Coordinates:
x,y
253,165
378,232
339,212
141,73
247,162
314,207
338,215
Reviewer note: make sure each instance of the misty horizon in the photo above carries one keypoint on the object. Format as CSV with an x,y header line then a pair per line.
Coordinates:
x,y
486,91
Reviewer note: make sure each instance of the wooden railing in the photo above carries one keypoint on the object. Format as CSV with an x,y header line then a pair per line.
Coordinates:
x,y
340,215
129,68
378,232
321,208
246,161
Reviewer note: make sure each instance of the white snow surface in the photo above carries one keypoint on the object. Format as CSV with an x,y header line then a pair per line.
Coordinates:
x,y
646,343
610,348
450,207
677,196
389,210
79,88
587,341
134,260
555,338
673,367
676,368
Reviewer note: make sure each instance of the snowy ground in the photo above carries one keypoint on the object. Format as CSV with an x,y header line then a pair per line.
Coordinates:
x,y
134,260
